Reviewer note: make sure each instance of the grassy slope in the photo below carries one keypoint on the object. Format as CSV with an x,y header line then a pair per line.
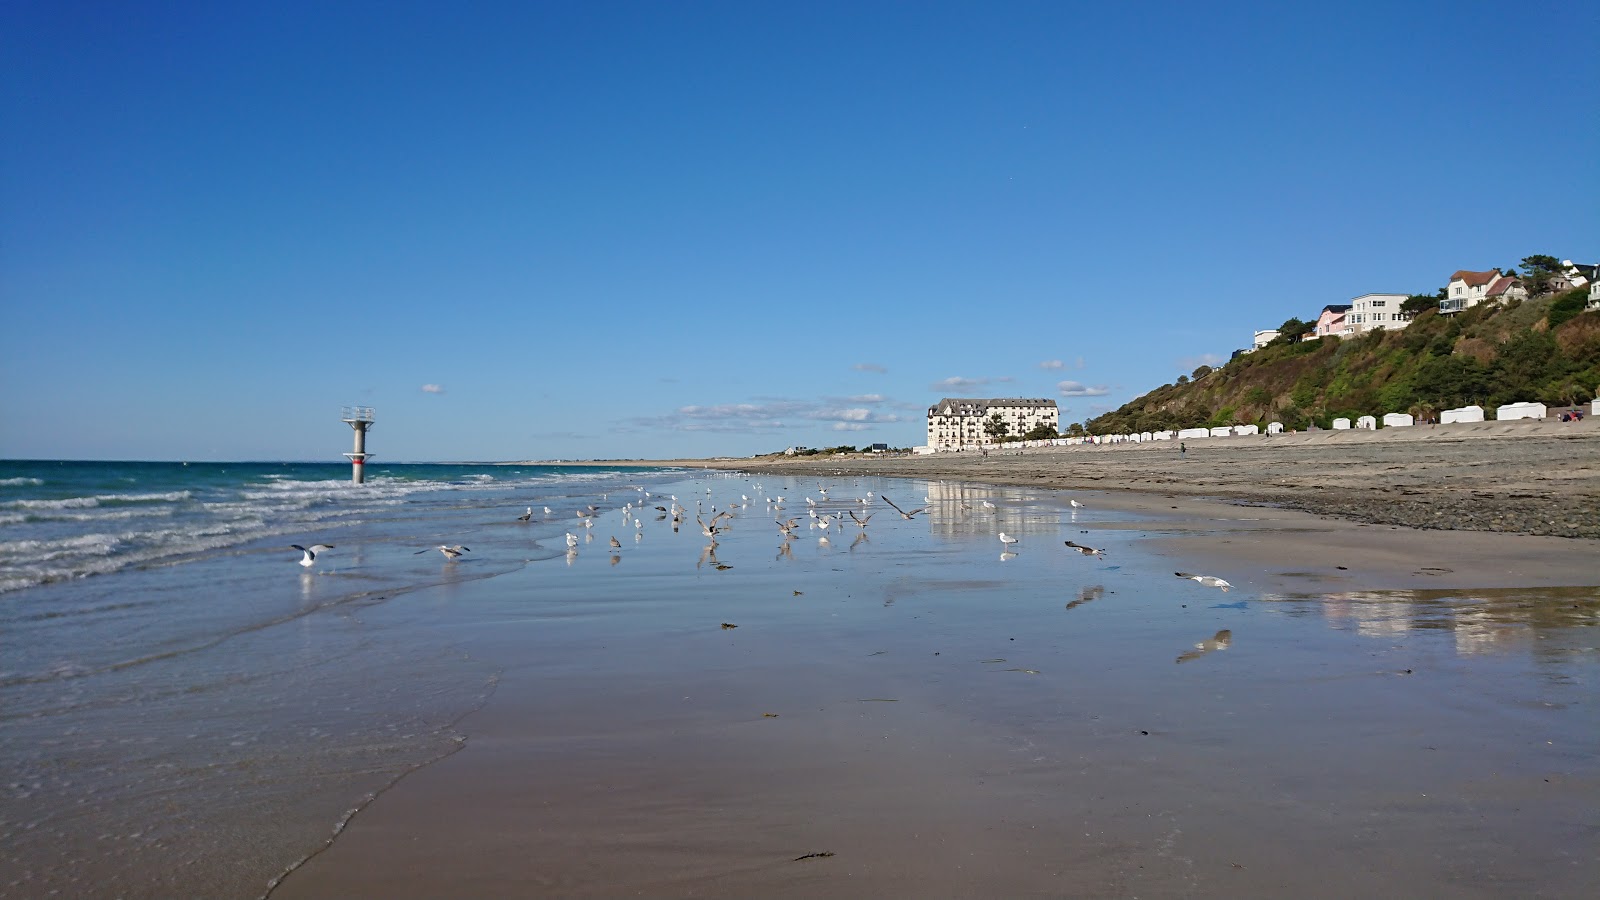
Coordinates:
x,y
1487,355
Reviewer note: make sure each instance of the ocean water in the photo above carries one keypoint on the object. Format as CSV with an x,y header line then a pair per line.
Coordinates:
x,y
186,711
169,673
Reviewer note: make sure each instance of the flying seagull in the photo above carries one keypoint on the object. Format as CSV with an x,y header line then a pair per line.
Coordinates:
x,y
1086,551
903,513
310,552
1207,580
860,521
450,551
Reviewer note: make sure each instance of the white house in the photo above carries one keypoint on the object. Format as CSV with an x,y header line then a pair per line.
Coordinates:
x,y
1468,289
1263,338
957,422
1370,311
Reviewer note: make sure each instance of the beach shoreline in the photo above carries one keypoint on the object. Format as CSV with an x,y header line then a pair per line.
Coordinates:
x,y
1534,478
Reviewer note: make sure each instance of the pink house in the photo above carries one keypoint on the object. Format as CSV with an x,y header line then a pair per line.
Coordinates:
x,y
1332,320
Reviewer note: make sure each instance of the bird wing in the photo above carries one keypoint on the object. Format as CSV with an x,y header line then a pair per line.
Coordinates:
x,y
318,548
915,511
297,547
896,508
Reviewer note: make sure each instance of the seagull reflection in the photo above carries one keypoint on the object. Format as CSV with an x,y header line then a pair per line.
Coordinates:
x,y
572,557
1219,641
1088,595
616,558
860,539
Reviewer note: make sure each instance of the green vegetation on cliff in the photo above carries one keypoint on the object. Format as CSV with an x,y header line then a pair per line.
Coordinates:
x,y
1545,349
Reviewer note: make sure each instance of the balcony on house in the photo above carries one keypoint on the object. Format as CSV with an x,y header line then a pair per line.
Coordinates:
x,y
1452,305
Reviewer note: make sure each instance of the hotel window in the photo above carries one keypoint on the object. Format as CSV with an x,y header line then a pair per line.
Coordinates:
x,y
1378,302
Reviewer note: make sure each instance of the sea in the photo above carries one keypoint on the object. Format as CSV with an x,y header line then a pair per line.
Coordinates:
x,y
169,665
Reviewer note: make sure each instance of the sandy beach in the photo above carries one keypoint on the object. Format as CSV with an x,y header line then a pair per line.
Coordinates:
x,y
905,709
1371,710
1527,477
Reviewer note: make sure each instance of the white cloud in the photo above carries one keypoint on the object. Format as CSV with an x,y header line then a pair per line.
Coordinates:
x,y
1052,364
850,426
957,383
1204,359
870,367
1078,389
866,398
433,389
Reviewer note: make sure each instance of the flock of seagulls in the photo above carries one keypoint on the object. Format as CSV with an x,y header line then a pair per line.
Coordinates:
x,y
788,528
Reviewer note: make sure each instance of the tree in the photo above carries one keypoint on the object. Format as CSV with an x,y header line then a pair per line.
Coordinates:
x,y
1075,429
1417,303
1201,372
1291,330
996,427
1041,432
1538,271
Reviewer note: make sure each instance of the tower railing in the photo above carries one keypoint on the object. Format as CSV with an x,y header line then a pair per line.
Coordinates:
x,y
356,413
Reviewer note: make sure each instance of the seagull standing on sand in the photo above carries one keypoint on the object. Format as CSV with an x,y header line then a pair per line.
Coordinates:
x,y
451,551
526,516
310,552
1007,540
1075,504
615,544
572,541
1207,580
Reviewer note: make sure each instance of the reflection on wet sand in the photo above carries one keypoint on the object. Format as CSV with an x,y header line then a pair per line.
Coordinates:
x,y
1087,595
967,509
1222,640
1482,620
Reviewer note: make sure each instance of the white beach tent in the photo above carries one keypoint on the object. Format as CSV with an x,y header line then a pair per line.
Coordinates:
x,y
1367,423
1341,424
1398,420
1464,414
1523,410
1222,431
1246,429
1189,434
1274,428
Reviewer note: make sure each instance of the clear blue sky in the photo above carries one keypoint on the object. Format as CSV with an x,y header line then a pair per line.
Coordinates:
x,y
600,230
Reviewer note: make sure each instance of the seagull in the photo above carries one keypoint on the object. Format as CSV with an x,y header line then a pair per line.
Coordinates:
x,y
1075,504
903,513
310,552
547,510
1207,580
449,551
1007,540
1086,551
988,505
860,521
526,516
572,541
615,544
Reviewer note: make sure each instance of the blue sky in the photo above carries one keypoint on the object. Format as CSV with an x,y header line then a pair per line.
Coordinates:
x,y
600,230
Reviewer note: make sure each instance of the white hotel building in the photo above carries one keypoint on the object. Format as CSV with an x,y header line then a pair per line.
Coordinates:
x,y
956,422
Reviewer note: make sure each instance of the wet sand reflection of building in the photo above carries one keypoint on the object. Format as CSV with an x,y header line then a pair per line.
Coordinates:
x,y
957,509
1480,621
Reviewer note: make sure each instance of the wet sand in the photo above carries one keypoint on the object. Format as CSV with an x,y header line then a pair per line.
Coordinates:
x,y
1370,711
1525,477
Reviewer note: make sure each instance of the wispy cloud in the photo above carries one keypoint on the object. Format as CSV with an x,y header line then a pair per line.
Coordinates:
x,y
1052,364
1204,359
764,416
1078,389
870,367
956,383
433,389
866,398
